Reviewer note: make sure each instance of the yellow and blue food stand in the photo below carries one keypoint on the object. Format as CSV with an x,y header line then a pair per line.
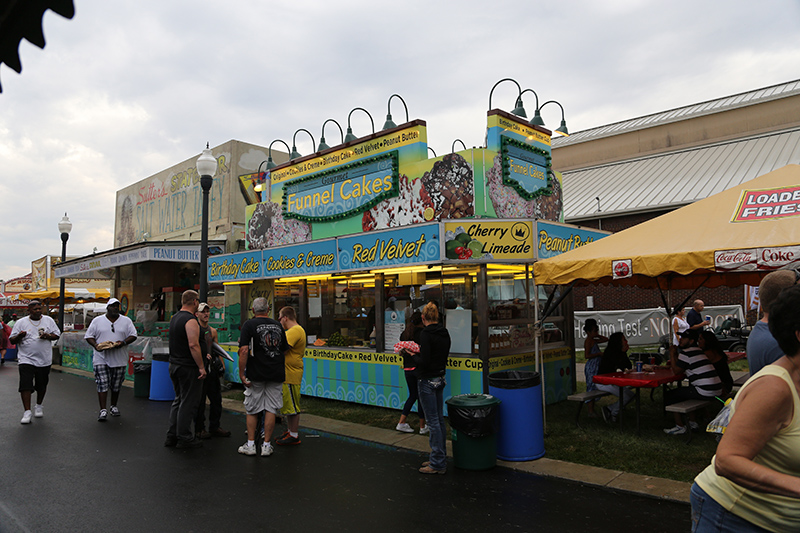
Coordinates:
x,y
359,236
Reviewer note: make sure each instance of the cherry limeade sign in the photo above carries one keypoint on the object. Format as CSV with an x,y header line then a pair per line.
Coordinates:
x,y
768,204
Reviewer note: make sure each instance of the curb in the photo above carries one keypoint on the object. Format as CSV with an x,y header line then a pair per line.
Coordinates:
x,y
618,480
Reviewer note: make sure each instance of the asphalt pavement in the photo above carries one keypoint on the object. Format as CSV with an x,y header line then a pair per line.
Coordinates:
x,y
68,472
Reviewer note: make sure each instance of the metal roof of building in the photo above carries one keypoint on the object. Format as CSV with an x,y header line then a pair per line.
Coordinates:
x,y
749,98
674,179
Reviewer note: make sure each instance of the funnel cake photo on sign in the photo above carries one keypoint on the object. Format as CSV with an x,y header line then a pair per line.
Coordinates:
x,y
411,206
509,204
267,228
450,186
445,191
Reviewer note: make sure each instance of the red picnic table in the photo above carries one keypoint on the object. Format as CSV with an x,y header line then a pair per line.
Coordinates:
x,y
638,380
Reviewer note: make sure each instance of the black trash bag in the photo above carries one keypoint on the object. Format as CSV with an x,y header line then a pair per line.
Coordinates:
x,y
514,379
474,421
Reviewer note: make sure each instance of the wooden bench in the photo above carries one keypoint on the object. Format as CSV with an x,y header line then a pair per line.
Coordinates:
x,y
684,408
583,397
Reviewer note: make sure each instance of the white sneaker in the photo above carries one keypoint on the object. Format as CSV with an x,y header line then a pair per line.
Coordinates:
x,y
26,417
38,412
424,431
114,410
404,428
266,449
103,416
694,426
247,449
677,430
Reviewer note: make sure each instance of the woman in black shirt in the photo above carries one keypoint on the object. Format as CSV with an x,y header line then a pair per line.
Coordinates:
x,y
615,358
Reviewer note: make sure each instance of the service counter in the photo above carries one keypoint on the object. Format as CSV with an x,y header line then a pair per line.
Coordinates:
x,y
375,378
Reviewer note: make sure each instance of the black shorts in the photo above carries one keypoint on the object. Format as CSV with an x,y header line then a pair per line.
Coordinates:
x,y
29,374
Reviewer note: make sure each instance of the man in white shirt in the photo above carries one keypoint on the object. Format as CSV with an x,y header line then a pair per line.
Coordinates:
x,y
109,335
34,336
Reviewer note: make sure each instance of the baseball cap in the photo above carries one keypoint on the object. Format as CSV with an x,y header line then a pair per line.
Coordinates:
x,y
112,301
690,334
202,307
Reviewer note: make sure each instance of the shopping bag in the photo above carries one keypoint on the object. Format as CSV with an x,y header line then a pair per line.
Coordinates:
x,y
720,421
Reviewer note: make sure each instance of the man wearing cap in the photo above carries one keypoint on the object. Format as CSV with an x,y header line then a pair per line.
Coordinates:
x,y
262,345
704,383
109,336
211,387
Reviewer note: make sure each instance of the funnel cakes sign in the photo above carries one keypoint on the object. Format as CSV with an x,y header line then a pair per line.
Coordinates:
x,y
766,204
341,192
525,168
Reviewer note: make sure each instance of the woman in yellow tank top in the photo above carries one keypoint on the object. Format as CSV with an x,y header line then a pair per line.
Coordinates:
x,y
753,482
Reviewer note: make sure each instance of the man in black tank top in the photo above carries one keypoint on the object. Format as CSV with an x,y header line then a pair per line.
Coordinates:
x,y
187,371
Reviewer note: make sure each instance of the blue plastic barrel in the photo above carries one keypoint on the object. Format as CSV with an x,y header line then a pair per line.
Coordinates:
x,y
160,383
521,434
11,354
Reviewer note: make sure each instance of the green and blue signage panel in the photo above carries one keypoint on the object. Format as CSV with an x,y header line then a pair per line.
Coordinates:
x,y
313,257
403,246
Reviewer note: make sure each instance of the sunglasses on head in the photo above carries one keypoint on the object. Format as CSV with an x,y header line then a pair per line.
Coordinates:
x,y
112,328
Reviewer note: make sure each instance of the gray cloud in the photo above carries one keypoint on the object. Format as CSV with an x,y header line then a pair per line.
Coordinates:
x,y
125,89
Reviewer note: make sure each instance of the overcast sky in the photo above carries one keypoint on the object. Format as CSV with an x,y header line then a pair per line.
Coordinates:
x,y
128,88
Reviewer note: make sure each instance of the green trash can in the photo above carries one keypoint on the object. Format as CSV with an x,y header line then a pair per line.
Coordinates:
x,y
473,421
141,379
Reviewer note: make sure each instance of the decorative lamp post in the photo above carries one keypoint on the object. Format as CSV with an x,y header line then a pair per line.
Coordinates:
x,y
64,227
206,167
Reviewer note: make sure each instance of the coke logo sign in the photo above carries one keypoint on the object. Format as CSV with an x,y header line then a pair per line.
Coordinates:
x,y
621,269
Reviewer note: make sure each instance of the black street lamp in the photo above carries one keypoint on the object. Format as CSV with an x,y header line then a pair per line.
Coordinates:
x,y
206,167
64,227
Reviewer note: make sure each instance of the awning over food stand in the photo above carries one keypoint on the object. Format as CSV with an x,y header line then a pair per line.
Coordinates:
x,y
70,295
731,238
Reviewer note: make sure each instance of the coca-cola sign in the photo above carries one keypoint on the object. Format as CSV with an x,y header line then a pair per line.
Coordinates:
x,y
621,269
735,260
753,259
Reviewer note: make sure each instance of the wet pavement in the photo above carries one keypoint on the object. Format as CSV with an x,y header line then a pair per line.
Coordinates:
x,y
68,472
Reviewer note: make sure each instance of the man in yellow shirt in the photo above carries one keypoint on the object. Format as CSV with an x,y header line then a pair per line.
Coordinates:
x,y
296,336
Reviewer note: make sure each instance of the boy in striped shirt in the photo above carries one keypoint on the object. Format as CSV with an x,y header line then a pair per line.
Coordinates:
x,y
704,383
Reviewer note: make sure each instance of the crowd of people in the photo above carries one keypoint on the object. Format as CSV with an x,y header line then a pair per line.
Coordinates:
x,y
752,483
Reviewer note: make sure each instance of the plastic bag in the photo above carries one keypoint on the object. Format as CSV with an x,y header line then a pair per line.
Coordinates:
x,y
720,422
475,422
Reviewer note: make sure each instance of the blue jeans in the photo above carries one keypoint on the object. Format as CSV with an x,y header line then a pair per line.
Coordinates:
x,y
431,396
710,517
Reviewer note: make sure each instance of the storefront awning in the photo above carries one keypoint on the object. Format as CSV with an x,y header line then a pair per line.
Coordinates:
x,y
12,299
172,252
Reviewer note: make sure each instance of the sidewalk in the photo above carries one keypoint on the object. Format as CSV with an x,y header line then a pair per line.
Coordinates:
x,y
612,479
